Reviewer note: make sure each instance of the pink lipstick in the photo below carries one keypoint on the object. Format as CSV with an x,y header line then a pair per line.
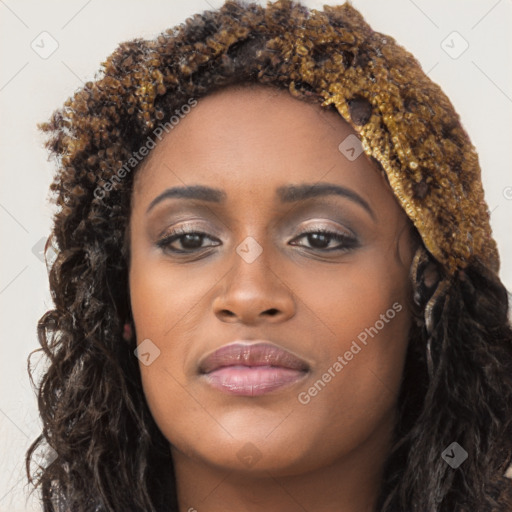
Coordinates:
x,y
251,368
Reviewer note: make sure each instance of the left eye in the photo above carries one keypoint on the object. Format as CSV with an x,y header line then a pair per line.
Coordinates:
x,y
320,238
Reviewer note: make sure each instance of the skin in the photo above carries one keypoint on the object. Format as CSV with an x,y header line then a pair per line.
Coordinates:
x,y
325,454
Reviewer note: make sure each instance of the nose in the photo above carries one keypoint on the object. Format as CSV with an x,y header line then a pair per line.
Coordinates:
x,y
252,293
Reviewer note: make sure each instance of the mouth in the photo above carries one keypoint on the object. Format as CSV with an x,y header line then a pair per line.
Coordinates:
x,y
252,368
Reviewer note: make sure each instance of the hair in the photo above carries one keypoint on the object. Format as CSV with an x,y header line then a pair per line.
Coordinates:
x,y
109,453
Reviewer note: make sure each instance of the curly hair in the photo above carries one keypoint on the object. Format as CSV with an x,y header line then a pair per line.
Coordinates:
x,y
110,454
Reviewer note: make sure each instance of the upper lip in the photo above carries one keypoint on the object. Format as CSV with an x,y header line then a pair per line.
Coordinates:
x,y
255,353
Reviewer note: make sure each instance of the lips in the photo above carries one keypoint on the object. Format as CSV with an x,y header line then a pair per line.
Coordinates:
x,y
260,353
251,368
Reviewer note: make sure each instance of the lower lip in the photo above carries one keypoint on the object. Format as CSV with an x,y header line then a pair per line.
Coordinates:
x,y
252,380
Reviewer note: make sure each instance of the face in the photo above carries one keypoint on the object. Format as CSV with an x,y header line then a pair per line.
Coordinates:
x,y
319,271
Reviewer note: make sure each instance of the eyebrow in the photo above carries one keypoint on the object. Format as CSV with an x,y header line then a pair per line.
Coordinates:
x,y
286,194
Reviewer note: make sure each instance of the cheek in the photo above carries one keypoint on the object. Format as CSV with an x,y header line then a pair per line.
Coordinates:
x,y
168,308
343,303
366,323
165,299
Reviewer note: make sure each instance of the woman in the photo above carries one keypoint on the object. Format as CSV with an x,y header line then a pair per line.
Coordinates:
x,y
276,286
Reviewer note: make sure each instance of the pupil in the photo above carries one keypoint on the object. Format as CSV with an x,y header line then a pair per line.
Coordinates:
x,y
315,237
190,238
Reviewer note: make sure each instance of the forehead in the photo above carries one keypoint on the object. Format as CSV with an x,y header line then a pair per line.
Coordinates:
x,y
253,140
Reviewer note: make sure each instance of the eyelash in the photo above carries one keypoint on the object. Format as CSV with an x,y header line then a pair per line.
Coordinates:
x,y
164,243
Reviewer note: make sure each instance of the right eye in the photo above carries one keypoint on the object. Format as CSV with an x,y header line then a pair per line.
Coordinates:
x,y
190,241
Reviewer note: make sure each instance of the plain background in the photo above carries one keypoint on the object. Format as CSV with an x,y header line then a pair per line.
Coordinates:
x,y
478,82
